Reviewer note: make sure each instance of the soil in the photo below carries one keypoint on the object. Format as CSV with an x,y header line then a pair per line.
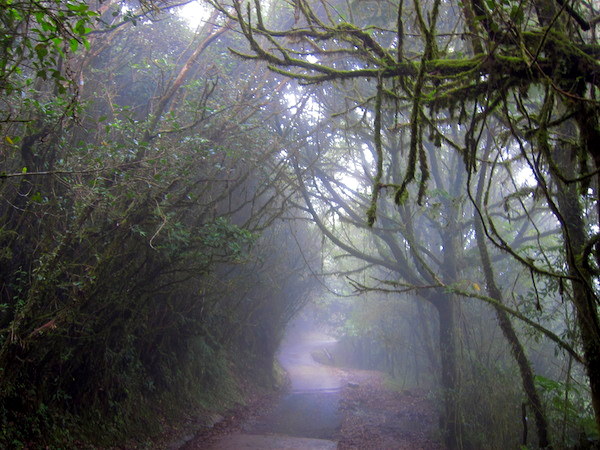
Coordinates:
x,y
377,417
323,407
230,423
373,417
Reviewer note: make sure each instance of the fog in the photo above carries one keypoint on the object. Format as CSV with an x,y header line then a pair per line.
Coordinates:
x,y
306,225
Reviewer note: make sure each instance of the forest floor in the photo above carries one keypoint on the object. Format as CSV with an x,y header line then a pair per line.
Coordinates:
x,y
322,407
376,416
373,416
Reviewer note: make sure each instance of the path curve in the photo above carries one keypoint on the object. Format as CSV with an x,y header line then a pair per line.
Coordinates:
x,y
308,417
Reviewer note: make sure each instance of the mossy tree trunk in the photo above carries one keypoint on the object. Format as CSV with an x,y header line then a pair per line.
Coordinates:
x,y
516,348
450,420
571,215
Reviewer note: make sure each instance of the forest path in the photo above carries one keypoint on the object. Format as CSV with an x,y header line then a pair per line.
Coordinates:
x,y
329,408
308,416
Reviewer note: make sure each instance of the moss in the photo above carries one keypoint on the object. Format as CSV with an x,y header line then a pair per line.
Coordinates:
x,y
509,61
452,67
460,93
371,214
345,26
557,41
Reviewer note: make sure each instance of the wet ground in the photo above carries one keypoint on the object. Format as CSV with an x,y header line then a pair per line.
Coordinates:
x,y
378,417
309,415
326,408
311,409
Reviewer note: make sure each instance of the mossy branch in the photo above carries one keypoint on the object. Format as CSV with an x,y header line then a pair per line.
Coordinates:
x,y
587,251
454,289
549,334
372,211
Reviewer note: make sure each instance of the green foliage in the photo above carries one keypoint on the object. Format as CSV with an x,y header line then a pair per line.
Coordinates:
x,y
569,406
138,279
222,235
54,29
491,415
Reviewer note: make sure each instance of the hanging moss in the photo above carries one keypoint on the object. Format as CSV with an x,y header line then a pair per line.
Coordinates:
x,y
454,67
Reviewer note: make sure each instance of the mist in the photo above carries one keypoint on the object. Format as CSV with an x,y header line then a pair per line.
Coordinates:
x,y
299,225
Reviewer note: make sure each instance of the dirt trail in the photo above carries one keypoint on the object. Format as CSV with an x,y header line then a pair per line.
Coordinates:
x,y
376,417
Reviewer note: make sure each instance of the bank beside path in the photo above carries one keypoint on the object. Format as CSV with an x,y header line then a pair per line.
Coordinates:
x,y
375,416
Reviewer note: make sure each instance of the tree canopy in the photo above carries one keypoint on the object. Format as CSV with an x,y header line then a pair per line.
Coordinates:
x,y
171,198
519,80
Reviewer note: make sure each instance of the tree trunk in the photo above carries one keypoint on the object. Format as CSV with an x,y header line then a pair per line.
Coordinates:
x,y
506,326
583,298
571,214
450,420
452,428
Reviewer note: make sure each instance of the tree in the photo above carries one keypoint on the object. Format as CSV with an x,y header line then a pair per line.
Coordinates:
x,y
530,66
121,225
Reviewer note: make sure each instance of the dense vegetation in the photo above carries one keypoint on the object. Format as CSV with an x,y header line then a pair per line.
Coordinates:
x,y
168,196
141,206
473,129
